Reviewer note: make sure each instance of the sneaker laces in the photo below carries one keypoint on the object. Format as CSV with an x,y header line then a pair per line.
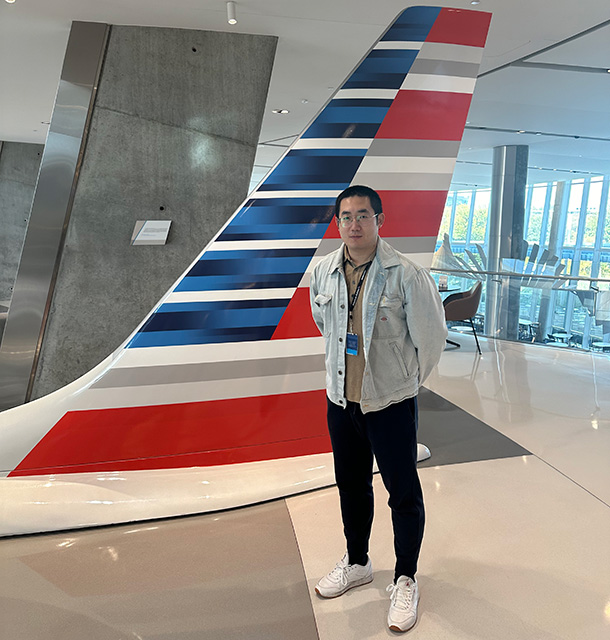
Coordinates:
x,y
339,573
401,596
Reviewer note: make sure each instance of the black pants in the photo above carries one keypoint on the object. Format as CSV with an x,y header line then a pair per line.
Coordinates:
x,y
391,436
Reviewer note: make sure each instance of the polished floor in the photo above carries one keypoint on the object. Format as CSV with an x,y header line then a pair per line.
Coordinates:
x,y
517,542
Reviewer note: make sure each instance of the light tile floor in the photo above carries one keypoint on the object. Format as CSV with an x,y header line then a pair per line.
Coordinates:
x,y
512,550
516,545
554,402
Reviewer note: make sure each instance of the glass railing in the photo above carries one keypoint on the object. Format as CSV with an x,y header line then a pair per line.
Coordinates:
x,y
559,311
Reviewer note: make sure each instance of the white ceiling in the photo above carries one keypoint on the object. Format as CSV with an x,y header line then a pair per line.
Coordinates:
x,y
564,112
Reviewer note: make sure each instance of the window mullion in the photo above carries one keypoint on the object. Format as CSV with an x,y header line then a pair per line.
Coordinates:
x,y
545,214
473,195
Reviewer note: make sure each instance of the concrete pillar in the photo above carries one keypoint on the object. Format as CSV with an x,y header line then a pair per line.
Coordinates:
x,y
173,137
19,164
506,225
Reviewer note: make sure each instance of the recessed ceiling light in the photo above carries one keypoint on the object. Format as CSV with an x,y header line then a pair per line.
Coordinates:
x,y
11,1
282,111
475,2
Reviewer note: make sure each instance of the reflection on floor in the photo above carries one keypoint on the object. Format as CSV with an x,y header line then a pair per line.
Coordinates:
x,y
236,574
456,436
516,547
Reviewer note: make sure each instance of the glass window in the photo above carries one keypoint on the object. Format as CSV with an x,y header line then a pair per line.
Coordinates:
x,y
459,250
574,205
536,212
446,221
462,213
595,196
559,315
584,270
480,215
466,214
606,238
579,315
551,213
525,302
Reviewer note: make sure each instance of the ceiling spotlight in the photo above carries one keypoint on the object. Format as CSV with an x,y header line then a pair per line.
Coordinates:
x,y
475,1
11,1
282,111
231,15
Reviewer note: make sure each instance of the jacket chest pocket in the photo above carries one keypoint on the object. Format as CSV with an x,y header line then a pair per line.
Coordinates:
x,y
391,320
323,302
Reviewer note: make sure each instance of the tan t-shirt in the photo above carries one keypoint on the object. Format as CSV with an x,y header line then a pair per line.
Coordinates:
x,y
354,365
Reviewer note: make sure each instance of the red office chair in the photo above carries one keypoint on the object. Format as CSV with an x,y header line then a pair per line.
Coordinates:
x,y
463,307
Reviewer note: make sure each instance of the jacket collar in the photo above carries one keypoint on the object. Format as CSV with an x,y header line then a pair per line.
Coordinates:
x,y
386,255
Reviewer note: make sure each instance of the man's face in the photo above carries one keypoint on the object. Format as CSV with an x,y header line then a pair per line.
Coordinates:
x,y
359,236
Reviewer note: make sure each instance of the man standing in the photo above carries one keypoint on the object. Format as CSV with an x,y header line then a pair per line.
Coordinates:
x,y
384,330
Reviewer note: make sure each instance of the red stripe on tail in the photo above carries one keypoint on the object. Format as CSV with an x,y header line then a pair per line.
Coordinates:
x,y
460,26
412,214
426,115
297,321
182,435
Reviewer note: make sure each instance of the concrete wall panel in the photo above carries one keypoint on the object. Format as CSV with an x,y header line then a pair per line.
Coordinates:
x,y
210,77
173,136
19,164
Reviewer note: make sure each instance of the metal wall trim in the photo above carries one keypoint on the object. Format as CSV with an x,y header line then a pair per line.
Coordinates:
x,y
50,213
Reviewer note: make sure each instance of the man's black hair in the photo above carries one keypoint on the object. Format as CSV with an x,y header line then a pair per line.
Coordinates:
x,y
363,192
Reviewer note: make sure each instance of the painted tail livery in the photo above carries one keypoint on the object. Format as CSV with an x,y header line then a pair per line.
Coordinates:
x,y
217,399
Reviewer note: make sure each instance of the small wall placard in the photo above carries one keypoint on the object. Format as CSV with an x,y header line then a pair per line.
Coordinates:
x,y
150,232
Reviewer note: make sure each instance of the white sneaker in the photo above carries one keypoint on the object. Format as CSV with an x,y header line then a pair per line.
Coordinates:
x,y
404,596
343,577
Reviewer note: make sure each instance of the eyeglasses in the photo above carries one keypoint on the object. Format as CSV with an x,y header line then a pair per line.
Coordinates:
x,y
364,218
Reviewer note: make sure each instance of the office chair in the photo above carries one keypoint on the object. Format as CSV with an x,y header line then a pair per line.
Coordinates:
x,y
463,307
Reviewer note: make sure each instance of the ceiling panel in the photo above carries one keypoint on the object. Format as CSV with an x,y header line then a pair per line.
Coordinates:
x,y
319,42
592,50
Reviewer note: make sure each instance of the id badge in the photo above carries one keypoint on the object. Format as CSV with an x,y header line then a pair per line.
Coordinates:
x,y
351,346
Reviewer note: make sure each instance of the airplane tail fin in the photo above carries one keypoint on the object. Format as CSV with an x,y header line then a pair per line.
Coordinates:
x,y
228,368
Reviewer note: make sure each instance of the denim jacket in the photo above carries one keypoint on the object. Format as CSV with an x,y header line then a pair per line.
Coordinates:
x,y
403,325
